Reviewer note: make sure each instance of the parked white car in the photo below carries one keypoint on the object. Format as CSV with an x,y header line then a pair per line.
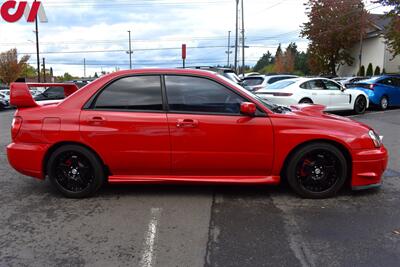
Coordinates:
x,y
6,94
315,91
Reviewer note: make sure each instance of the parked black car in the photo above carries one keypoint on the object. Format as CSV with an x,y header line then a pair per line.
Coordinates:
x,y
51,93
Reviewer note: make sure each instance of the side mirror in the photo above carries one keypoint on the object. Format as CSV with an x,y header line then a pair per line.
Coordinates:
x,y
248,108
343,88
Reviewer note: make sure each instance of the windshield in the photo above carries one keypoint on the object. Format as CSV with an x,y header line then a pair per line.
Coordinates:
x,y
281,84
253,81
233,76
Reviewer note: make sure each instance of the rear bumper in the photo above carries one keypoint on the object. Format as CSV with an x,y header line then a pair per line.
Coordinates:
x,y
27,158
368,168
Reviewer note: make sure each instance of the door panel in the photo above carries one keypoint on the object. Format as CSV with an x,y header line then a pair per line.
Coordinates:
x,y
221,145
318,92
131,143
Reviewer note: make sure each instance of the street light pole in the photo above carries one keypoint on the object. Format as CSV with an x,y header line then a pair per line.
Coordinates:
x,y
37,48
130,51
84,68
237,33
229,48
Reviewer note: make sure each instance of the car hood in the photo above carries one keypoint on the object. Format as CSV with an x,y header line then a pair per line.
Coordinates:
x,y
318,111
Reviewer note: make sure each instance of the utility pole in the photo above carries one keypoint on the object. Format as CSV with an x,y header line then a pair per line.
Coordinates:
x,y
130,51
243,45
229,48
37,48
236,36
84,68
361,6
44,70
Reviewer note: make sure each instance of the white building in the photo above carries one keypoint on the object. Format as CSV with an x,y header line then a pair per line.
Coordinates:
x,y
374,50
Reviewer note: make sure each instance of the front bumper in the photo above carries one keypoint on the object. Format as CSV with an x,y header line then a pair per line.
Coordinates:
x,y
368,168
27,158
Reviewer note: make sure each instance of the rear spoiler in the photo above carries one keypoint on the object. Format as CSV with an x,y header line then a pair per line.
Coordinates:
x,y
21,97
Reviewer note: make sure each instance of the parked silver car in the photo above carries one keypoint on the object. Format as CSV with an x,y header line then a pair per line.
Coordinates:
x,y
258,82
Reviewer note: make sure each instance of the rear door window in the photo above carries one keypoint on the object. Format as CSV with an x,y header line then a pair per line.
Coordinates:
x,y
317,85
141,93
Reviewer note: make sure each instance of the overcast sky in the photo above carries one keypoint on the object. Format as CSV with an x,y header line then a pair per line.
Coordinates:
x,y
159,27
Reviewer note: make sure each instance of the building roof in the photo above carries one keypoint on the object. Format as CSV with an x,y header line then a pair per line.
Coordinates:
x,y
379,23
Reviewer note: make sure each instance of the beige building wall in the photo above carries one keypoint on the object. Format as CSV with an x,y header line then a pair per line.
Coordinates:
x,y
374,51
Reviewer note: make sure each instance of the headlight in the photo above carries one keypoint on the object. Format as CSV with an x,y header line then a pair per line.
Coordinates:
x,y
375,138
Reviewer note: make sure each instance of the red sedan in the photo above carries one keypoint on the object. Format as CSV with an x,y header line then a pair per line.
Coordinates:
x,y
187,126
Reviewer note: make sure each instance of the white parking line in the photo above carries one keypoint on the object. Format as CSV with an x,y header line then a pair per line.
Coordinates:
x,y
148,256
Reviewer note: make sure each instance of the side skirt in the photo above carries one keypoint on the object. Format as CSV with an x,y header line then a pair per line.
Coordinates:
x,y
140,179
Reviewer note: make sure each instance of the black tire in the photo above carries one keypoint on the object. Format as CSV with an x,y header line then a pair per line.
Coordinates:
x,y
384,103
318,170
306,101
360,105
75,171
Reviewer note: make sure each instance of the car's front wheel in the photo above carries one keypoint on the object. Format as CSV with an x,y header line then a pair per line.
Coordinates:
x,y
75,171
360,105
317,170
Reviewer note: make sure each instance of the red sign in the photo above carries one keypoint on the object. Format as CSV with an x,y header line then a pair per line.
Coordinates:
x,y
12,11
183,51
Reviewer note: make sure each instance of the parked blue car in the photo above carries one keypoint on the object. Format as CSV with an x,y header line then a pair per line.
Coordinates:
x,y
383,91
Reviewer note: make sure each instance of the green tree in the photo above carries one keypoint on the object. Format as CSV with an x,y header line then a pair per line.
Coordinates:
x,y
29,72
265,60
10,67
392,32
301,63
377,71
370,70
332,30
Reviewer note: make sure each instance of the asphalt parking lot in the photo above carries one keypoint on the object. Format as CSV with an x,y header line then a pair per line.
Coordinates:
x,y
223,225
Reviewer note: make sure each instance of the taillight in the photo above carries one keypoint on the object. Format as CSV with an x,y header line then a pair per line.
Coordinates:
x,y
371,87
16,126
282,94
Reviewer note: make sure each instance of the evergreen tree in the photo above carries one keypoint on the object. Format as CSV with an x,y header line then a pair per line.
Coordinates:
x,y
370,70
377,71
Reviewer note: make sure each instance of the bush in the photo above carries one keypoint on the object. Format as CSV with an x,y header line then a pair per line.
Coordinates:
x,y
370,70
377,71
361,72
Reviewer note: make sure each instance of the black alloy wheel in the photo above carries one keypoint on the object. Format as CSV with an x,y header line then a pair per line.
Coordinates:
x,y
306,101
75,171
318,170
360,105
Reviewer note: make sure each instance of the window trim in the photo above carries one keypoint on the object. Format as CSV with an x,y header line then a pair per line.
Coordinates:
x,y
89,105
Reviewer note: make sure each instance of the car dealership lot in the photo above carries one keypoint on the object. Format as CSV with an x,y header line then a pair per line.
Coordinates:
x,y
201,225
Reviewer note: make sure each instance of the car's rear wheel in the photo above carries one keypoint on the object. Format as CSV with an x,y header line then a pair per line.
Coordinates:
x,y
317,170
384,103
306,101
75,171
360,105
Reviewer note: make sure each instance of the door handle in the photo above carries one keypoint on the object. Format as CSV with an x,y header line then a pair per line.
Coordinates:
x,y
96,120
187,123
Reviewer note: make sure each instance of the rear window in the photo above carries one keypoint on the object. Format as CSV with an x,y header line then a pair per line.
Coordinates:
x,y
253,81
281,84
